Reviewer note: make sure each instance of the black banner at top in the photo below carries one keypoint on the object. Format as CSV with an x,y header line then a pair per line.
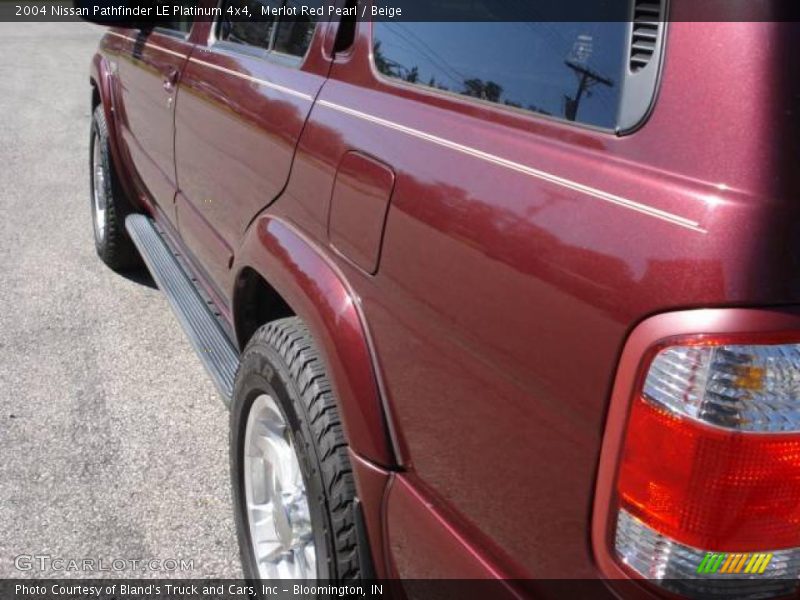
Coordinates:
x,y
159,11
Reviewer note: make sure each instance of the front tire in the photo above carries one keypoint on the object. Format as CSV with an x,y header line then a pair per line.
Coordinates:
x,y
109,204
294,494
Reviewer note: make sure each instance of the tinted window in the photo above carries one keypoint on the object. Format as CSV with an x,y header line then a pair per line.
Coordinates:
x,y
235,28
259,30
568,70
180,24
294,37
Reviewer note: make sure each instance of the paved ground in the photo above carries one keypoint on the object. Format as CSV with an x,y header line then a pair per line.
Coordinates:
x,y
113,442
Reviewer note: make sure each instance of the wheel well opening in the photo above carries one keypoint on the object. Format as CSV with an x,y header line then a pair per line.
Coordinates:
x,y
255,302
95,95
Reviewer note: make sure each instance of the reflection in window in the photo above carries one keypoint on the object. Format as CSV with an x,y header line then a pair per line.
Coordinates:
x,y
284,35
568,70
250,33
294,37
179,23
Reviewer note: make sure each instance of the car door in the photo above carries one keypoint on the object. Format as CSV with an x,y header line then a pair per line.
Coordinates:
x,y
149,73
245,96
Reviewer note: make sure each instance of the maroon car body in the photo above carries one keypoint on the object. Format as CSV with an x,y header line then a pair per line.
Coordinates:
x,y
482,282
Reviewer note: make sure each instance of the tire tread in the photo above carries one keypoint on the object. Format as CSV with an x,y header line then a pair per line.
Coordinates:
x,y
293,342
116,250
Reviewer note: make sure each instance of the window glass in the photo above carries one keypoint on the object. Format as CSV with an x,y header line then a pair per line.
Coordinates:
x,y
280,35
572,71
237,29
294,37
179,23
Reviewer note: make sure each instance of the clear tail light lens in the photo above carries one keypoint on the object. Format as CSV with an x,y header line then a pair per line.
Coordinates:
x,y
722,574
711,465
737,387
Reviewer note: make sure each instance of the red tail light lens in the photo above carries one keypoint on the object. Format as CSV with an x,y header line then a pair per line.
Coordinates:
x,y
710,488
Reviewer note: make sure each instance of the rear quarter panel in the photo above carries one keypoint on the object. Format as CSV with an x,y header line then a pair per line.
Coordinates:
x,y
519,252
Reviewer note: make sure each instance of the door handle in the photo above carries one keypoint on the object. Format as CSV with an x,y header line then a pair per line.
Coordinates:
x,y
171,79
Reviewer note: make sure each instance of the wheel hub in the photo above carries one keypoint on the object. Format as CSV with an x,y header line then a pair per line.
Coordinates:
x,y
99,201
278,517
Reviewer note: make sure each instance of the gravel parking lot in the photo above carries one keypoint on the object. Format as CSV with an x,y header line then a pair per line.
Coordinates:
x,y
113,440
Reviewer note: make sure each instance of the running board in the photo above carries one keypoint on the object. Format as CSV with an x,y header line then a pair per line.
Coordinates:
x,y
212,345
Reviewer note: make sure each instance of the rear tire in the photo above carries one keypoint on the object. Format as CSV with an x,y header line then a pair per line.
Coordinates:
x,y
281,370
108,201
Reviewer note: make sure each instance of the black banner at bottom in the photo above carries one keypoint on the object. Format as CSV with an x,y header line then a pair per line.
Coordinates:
x,y
232,589
428,589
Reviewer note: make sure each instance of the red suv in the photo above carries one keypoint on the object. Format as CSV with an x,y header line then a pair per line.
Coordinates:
x,y
507,300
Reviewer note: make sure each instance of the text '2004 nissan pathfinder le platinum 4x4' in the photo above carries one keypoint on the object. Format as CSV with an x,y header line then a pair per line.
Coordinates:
x,y
488,299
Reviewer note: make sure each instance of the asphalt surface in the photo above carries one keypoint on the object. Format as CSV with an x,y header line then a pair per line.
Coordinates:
x,y
113,441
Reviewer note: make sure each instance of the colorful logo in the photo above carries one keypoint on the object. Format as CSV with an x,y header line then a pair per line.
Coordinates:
x,y
752,563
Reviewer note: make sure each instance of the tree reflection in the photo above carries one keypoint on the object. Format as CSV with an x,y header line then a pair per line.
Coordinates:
x,y
533,69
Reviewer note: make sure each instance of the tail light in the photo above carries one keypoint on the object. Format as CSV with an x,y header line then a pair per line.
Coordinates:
x,y
708,484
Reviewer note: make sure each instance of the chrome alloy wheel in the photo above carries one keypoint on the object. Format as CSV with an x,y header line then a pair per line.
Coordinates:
x,y
99,200
277,502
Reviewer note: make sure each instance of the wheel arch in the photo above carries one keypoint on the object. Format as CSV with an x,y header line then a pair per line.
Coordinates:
x,y
100,83
102,93
255,302
295,278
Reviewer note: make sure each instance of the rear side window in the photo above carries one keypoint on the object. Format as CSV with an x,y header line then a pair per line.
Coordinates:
x,y
179,24
294,37
572,71
263,31
234,28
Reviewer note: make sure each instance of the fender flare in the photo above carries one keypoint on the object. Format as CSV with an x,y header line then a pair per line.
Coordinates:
x,y
101,78
318,293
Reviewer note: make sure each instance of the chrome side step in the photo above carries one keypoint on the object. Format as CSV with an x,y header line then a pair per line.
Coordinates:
x,y
218,354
